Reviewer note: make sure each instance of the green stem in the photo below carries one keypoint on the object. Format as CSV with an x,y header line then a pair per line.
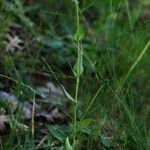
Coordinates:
x,y
92,101
77,77
77,15
76,100
129,14
78,25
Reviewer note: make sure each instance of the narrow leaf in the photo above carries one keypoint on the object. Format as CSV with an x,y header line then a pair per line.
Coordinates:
x,y
67,94
78,68
75,1
84,124
67,145
79,34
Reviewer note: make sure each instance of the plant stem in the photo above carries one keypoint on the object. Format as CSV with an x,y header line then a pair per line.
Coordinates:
x,y
77,77
92,101
33,113
77,15
76,100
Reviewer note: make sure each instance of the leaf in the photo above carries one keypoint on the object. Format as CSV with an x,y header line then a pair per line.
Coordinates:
x,y
52,43
67,94
81,126
78,68
59,132
67,145
84,124
75,1
79,34
31,8
26,22
19,126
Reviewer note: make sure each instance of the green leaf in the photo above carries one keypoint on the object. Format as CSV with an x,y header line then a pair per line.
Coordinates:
x,y
67,94
52,43
84,124
60,133
75,1
79,34
67,145
31,8
78,68
81,126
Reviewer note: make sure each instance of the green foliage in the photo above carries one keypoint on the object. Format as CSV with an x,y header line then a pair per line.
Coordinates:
x,y
76,1
67,145
67,94
79,34
78,68
84,124
111,44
